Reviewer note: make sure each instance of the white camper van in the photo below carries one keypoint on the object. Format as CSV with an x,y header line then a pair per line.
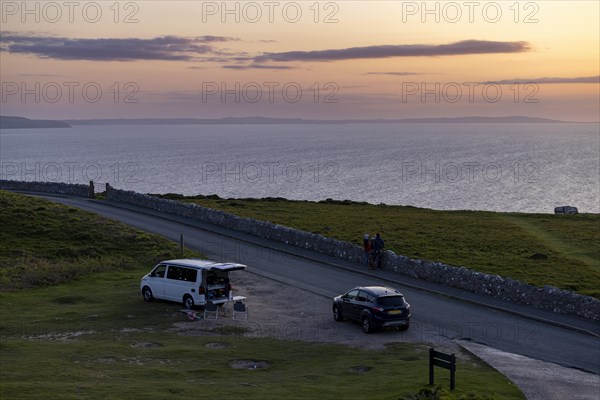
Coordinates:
x,y
193,282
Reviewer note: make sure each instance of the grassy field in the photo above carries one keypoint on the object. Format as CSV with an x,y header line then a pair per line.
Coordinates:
x,y
44,243
95,338
90,335
540,249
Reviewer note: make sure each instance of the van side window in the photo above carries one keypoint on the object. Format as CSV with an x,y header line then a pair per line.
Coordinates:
x,y
190,275
159,271
182,274
174,273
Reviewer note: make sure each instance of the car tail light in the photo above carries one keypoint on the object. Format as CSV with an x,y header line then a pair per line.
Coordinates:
x,y
378,309
201,290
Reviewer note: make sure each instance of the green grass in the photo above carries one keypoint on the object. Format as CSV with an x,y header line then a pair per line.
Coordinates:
x,y
44,243
78,336
540,249
184,368
40,344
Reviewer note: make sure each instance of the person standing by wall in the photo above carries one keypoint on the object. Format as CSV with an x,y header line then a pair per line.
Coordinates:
x,y
378,245
367,249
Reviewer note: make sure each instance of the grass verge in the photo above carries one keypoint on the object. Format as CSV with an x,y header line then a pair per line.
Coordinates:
x,y
540,249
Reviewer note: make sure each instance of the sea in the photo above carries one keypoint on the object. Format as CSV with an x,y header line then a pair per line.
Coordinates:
x,y
496,167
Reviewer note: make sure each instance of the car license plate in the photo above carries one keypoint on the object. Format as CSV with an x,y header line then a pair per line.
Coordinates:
x,y
395,312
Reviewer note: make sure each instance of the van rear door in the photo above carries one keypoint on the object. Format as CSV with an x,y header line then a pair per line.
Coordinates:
x,y
218,286
227,266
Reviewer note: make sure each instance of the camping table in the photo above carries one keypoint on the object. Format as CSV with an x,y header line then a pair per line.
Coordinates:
x,y
232,300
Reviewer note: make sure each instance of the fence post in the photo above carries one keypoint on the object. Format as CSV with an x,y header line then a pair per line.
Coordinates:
x,y
181,244
91,193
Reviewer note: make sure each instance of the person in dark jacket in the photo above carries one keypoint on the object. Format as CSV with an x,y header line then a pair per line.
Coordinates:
x,y
367,249
378,245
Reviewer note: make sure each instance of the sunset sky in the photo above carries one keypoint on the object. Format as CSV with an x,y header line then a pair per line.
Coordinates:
x,y
306,59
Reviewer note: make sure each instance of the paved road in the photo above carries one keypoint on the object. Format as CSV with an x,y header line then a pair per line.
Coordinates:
x,y
435,317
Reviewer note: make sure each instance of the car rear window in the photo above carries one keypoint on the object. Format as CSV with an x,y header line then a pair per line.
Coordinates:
x,y
391,301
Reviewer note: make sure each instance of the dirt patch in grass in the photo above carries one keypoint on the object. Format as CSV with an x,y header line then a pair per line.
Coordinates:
x,y
360,369
69,299
216,345
146,345
249,364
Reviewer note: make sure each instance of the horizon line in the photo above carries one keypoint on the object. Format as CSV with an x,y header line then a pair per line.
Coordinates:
x,y
300,120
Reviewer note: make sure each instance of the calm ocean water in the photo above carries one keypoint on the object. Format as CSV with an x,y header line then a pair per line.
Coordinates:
x,y
525,168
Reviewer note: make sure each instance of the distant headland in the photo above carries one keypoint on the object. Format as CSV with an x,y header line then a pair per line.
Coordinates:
x,y
290,121
20,122
23,123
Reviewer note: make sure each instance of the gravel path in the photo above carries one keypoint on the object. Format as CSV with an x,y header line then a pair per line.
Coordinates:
x,y
285,312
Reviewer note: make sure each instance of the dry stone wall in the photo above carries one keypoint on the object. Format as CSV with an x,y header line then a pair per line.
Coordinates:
x,y
49,187
546,298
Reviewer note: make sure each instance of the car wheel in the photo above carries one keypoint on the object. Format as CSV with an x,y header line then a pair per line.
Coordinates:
x,y
188,302
147,294
404,327
337,314
367,327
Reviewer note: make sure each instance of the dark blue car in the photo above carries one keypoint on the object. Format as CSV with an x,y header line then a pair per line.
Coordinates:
x,y
374,307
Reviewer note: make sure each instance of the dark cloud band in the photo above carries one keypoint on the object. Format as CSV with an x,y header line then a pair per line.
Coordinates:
x,y
579,79
177,48
170,48
413,50
257,66
394,73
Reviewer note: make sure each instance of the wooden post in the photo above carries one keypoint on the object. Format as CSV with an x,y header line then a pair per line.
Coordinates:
x,y
431,351
453,372
446,361
181,244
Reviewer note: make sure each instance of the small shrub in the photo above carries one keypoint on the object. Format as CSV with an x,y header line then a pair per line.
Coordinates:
x,y
473,396
428,393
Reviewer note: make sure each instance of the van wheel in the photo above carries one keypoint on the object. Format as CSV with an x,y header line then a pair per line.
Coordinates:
x,y
147,294
188,302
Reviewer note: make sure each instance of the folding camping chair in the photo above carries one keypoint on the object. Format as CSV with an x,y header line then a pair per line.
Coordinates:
x,y
240,311
211,311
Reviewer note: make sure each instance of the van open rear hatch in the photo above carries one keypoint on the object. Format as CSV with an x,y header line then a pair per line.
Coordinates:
x,y
227,266
218,285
